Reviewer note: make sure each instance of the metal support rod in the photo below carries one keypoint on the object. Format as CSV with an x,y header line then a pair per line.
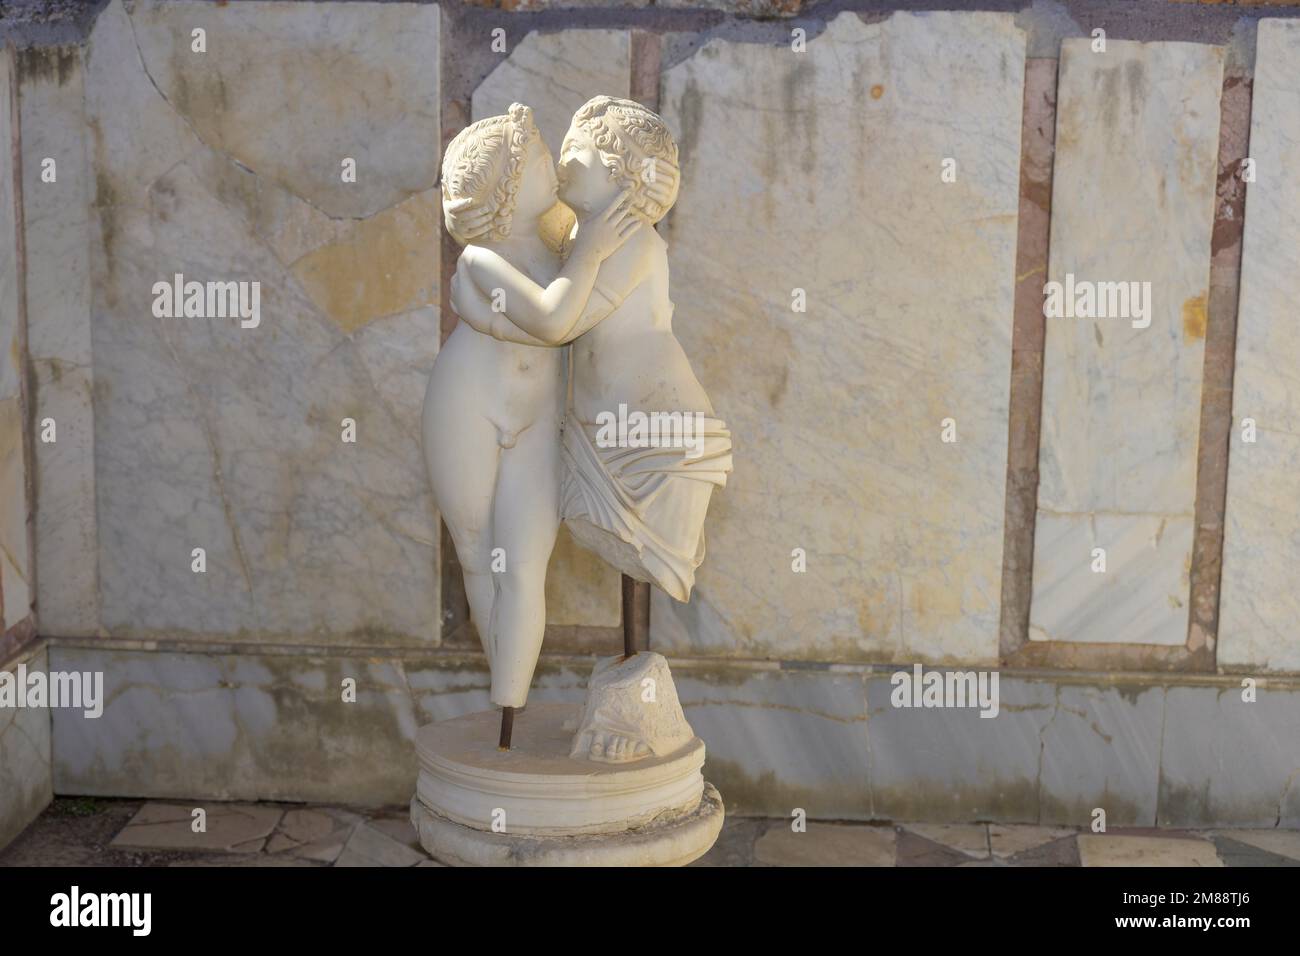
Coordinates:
x,y
507,727
636,616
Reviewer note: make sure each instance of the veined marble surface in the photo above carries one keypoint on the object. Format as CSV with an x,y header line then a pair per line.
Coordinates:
x,y
840,410
57,220
15,556
226,166
1132,201
289,91
1259,603
555,73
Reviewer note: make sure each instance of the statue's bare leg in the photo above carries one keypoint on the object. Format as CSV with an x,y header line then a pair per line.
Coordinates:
x,y
463,495
526,520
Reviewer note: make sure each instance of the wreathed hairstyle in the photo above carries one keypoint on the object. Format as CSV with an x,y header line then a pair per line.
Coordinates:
x,y
482,168
626,135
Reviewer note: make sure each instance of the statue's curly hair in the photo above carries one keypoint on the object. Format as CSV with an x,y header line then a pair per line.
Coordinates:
x,y
627,135
482,167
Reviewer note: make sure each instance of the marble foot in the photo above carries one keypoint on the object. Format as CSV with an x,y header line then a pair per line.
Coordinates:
x,y
632,711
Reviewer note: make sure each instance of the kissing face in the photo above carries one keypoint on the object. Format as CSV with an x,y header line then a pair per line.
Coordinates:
x,y
585,184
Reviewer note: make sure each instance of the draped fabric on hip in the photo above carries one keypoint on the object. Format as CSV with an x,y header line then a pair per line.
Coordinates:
x,y
617,489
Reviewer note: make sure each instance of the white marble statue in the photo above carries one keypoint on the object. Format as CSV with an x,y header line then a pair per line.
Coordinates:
x,y
493,408
513,444
537,413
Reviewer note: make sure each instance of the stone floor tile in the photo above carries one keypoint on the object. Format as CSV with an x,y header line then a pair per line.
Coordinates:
x,y
1234,854
313,834
352,858
307,826
1008,840
349,817
735,844
80,832
400,830
325,851
1116,850
230,827
1281,842
826,844
1158,833
915,850
1062,852
971,839
370,846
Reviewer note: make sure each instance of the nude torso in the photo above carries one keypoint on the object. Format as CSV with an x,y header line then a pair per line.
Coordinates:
x,y
512,384
632,356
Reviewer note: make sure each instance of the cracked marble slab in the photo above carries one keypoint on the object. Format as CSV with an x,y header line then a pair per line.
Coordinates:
x,y
208,435
1136,162
842,407
288,90
1259,603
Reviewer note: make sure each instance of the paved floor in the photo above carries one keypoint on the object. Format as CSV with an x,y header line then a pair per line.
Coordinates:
x,y
79,831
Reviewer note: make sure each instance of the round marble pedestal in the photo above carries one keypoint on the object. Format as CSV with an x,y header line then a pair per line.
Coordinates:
x,y
534,805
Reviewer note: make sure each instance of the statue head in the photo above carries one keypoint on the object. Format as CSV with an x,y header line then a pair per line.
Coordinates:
x,y
493,171
615,144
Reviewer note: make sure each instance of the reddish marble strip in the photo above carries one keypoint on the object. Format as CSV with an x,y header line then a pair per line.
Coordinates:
x,y
1216,386
1037,149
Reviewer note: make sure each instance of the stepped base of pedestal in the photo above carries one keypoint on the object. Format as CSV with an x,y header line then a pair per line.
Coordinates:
x,y
673,840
